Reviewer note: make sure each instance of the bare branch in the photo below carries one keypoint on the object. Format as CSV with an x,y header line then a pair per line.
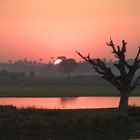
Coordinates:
x,y
123,81
111,44
98,70
137,56
135,83
85,58
124,46
102,69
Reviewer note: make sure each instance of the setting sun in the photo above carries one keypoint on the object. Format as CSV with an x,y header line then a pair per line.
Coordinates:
x,y
57,61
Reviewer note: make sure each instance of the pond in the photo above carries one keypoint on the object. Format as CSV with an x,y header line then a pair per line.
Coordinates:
x,y
67,102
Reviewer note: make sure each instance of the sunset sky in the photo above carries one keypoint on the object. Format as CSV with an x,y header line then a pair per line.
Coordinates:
x,y
36,29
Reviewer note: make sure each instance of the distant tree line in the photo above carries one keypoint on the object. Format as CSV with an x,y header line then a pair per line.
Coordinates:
x,y
6,75
67,68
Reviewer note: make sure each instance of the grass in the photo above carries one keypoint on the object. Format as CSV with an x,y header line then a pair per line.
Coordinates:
x,y
91,86
43,124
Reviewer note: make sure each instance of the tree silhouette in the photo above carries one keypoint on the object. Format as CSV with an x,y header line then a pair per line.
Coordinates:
x,y
32,74
125,81
67,65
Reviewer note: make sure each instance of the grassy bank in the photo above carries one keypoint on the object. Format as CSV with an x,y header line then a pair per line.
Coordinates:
x,y
42,124
78,86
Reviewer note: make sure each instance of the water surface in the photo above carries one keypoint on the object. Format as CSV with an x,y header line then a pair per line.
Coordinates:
x,y
68,102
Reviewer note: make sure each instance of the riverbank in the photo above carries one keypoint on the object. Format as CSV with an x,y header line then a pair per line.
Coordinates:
x,y
89,124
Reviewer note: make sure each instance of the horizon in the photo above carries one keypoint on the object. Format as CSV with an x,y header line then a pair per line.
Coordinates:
x,y
45,29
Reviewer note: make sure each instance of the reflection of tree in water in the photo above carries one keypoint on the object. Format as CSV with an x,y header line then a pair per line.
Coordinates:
x,y
67,101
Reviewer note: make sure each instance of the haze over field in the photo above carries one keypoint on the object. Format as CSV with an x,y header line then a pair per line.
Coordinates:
x,y
45,28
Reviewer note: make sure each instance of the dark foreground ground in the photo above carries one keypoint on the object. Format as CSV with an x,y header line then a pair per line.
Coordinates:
x,y
88,124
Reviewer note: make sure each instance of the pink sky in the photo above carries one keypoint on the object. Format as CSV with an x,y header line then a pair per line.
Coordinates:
x,y
44,28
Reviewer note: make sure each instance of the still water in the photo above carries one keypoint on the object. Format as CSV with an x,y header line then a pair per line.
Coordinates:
x,y
67,102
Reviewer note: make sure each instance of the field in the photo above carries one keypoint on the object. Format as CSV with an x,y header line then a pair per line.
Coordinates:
x,y
43,124
77,86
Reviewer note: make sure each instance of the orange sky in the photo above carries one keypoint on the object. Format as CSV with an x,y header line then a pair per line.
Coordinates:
x,y
45,28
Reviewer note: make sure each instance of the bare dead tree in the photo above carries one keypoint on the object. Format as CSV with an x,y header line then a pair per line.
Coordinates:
x,y
125,81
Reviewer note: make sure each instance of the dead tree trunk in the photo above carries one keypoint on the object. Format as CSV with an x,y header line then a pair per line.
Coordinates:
x,y
123,103
124,82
